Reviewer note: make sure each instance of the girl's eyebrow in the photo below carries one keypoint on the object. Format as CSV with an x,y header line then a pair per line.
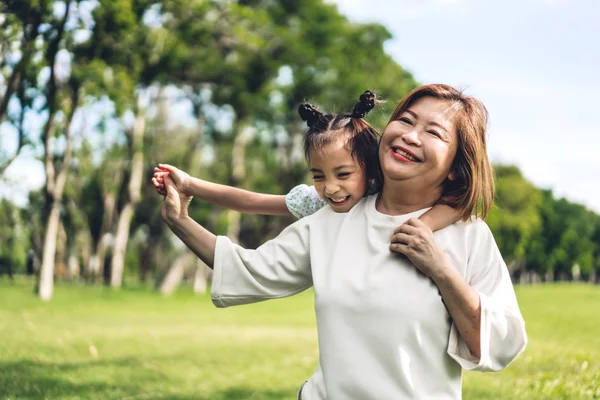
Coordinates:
x,y
335,169
343,166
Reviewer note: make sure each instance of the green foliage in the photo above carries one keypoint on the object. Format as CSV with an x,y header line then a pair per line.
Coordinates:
x,y
514,219
14,236
537,232
253,61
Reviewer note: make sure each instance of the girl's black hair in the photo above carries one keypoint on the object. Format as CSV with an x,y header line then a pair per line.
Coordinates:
x,y
362,138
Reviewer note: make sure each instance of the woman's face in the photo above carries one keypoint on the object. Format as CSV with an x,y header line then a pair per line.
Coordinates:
x,y
421,144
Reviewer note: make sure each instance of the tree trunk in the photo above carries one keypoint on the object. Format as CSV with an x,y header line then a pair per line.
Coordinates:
x,y
135,187
175,274
238,173
54,184
202,277
46,280
146,257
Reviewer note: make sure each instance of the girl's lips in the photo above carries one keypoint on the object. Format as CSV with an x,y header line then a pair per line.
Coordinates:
x,y
338,204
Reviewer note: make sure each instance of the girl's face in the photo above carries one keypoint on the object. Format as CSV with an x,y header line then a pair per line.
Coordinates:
x,y
337,176
421,144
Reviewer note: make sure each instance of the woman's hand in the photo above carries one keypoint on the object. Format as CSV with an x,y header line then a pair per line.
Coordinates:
x,y
176,203
415,240
180,179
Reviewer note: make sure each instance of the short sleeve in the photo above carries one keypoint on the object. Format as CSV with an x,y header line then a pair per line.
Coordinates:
x,y
303,200
278,268
502,332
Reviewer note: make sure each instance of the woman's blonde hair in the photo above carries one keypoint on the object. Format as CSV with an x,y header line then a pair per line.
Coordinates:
x,y
472,189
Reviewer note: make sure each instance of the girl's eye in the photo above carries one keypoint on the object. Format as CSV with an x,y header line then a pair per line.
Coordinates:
x,y
405,120
343,175
317,177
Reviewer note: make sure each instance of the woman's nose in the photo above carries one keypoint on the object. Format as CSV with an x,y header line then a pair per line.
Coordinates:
x,y
412,137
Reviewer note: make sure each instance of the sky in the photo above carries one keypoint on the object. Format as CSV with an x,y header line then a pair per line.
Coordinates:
x,y
534,63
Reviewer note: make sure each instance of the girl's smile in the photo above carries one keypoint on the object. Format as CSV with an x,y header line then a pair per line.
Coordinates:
x,y
338,177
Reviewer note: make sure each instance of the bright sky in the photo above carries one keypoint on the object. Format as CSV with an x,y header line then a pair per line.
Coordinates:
x,y
534,63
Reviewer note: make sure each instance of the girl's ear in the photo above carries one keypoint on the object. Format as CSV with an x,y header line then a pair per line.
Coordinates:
x,y
451,176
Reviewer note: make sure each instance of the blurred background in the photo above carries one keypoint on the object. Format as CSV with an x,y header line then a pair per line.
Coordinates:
x,y
93,94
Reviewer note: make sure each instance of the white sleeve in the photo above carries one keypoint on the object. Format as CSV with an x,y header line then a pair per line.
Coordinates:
x,y
303,200
502,334
278,268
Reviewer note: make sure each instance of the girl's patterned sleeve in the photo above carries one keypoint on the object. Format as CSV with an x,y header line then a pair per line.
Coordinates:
x,y
303,200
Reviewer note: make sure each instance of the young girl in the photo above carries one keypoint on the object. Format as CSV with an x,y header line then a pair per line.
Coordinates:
x,y
342,152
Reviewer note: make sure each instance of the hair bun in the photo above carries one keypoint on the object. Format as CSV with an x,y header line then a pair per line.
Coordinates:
x,y
366,103
309,113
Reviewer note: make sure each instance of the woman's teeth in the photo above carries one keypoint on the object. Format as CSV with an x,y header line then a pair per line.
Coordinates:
x,y
405,154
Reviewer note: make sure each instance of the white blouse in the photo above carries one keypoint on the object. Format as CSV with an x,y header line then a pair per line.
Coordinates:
x,y
384,332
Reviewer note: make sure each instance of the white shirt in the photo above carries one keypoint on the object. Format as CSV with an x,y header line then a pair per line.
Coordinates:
x,y
383,330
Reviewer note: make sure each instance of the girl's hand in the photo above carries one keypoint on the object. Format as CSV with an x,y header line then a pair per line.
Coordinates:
x,y
180,178
176,203
415,240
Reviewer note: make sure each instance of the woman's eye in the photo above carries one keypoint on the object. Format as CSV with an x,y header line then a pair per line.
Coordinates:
x,y
405,120
434,133
344,175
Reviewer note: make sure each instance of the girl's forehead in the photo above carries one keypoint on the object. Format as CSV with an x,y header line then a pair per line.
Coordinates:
x,y
332,154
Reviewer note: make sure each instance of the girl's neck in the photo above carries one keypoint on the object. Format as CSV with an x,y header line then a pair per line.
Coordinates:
x,y
401,197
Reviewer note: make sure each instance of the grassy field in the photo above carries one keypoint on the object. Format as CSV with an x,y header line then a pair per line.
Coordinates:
x,y
91,343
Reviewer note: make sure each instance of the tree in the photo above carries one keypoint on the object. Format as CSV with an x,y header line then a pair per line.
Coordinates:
x,y
515,217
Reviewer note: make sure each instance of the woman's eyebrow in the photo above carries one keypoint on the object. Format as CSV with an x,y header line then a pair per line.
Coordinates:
x,y
414,114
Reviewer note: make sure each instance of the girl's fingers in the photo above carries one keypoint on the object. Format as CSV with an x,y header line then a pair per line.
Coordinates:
x,y
167,167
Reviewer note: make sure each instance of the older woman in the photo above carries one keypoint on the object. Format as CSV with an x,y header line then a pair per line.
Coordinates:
x,y
400,310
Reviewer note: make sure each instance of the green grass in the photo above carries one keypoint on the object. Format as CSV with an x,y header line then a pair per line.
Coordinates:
x,y
91,343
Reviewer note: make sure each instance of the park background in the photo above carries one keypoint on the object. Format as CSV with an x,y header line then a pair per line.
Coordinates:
x,y
98,300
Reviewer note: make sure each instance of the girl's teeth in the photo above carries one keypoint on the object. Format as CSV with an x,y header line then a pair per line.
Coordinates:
x,y
340,200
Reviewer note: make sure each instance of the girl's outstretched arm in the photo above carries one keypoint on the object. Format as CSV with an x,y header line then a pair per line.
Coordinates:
x,y
222,195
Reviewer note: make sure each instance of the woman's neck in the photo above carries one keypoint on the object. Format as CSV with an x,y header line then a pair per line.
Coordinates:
x,y
401,197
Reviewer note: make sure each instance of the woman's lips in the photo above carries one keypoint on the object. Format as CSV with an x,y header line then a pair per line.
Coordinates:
x,y
401,157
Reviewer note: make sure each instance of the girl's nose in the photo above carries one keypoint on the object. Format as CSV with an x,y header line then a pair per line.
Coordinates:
x,y
331,187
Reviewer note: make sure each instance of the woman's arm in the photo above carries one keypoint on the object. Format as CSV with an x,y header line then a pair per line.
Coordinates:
x,y
175,214
278,268
463,305
415,240
488,331
221,195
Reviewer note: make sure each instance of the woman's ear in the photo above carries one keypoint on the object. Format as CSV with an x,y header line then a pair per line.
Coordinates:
x,y
451,176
